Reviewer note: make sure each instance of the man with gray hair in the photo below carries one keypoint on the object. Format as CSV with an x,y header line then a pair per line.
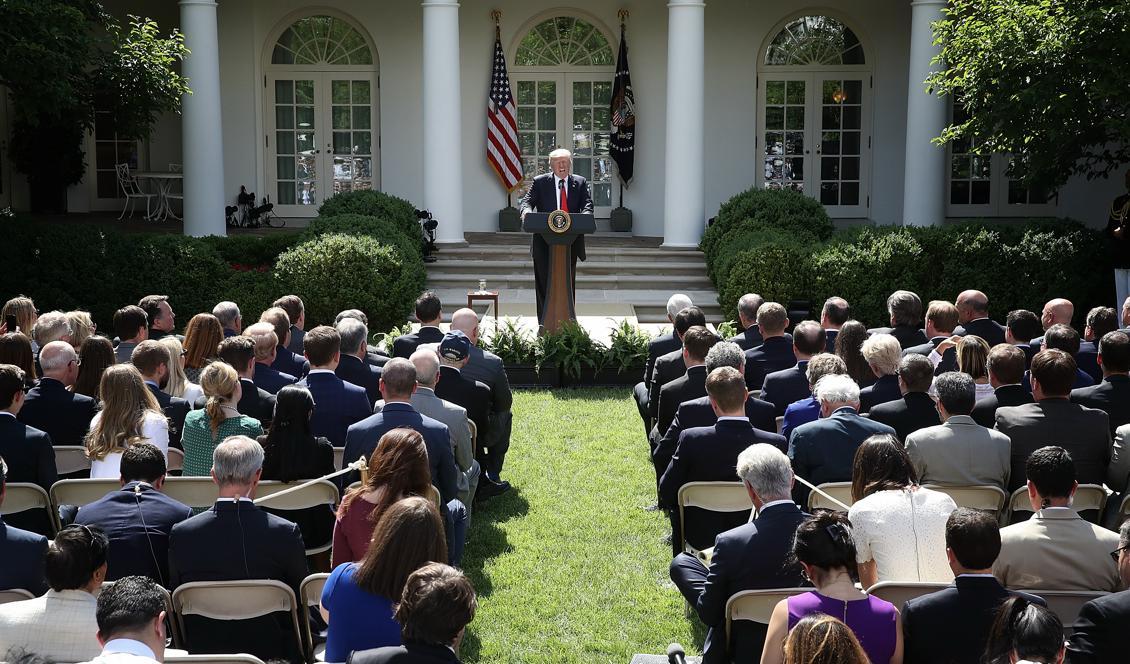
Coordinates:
x,y
373,355
657,347
808,409
750,337
823,451
905,310
228,315
959,452
915,410
352,367
51,326
50,406
883,354
775,352
752,556
236,540
1099,633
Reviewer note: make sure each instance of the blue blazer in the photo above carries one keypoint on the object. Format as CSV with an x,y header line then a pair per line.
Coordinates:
x,y
363,437
271,379
63,415
773,355
23,553
406,344
823,451
1087,360
830,341
290,363
698,413
353,370
28,453
884,389
337,405
799,412
783,387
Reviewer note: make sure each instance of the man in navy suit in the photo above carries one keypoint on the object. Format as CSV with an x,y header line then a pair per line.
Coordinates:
x,y
1063,337
697,343
835,313
1006,370
151,358
1113,393
670,366
50,406
285,361
1021,327
775,352
557,190
137,518
916,409
337,404
27,450
353,368
661,345
750,337
23,552
1100,322
941,321
973,314
752,556
783,387
429,312
265,376
905,311
228,314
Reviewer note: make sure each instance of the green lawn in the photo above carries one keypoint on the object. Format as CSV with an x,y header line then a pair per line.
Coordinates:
x,y
567,565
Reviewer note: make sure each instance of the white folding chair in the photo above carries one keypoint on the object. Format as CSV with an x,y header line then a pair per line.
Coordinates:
x,y
79,492
279,496
131,190
339,458
15,595
24,497
713,497
1067,603
311,596
1087,497
756,605
197,492
174,460
780,423
235,600
898,592
71,459
841,491
474,434
979,497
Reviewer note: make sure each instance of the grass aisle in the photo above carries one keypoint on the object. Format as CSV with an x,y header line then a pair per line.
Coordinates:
x,y
568,566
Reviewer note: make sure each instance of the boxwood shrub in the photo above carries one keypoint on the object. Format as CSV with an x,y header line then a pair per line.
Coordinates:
x,y
376,204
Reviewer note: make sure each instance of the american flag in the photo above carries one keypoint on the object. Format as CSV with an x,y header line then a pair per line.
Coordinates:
x,y
502,125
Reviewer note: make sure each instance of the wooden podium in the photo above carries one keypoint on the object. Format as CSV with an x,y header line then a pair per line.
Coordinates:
x,y
559,229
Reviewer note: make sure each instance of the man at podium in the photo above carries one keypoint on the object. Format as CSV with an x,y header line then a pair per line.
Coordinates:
x,y
557,190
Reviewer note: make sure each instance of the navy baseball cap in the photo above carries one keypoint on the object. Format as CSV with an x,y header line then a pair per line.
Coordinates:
x,y
455,346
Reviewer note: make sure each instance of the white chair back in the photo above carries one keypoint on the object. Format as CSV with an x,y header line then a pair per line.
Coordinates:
x,y
1067,603
841,491
71,459
15,595
713,497
898,593
1087,497
756,605
235,600
980,497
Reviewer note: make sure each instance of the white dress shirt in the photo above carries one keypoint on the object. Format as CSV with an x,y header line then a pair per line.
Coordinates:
x,y
125,651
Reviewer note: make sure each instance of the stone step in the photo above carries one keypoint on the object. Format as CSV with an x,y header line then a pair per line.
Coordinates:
x,y
488,268
612,254
668,283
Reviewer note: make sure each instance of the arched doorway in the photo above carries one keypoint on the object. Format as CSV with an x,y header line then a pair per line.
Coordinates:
x,y
563,72
322,113
814,129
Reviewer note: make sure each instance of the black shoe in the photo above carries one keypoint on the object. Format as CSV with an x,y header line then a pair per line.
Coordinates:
x,y
488,488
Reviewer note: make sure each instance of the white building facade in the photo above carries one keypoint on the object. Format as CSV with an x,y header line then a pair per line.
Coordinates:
x,y
298,101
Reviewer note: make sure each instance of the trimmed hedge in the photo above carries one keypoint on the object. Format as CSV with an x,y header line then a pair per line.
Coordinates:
x,y
376,204
779,209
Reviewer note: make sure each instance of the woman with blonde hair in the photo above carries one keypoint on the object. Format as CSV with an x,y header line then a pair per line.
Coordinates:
x,y
972,359
23,308
130,415
205,429
821,639
95,356
202,340
179,385
82,327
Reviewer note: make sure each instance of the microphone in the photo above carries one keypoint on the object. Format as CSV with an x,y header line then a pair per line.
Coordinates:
x,y
675,654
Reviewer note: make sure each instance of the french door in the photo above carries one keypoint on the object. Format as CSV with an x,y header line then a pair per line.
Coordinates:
x,y
322,138
814,136
565,110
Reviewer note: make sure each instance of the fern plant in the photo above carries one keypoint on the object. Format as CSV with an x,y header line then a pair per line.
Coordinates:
x,y
628,347
571,349
728,329
383,340
512,343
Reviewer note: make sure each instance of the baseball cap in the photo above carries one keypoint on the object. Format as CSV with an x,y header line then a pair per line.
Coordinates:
x,y
455,346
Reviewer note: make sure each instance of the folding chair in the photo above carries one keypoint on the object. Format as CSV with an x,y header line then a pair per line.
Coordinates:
x,y
898,592
339,458
197,492
979,497
780,423
311,592
131,190
756,605
1067,603
1123,511
235,600
174,630
174,460
213,659
713,497
78,493
1088,497
71,459
25,496
322,492
841,491
15,595
474,434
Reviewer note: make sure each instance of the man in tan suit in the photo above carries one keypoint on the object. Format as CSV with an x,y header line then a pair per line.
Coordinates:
x,y
1056,549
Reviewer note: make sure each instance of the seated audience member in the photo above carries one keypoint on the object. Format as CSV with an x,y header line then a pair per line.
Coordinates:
x,y
454,353
22,552
697,342
178,385
131,622
131,326
905,310
1054,420
266,348
824,548
295,311
897,523
1100,322
437,605
1099,633
82,327
973,314
808,409
95,356
1024,632
750,336
236,540
1065,338
239,353
429,312
915,410
776,350
286,361
941,321
882,353
202,337
1006,369
849,348
1124,319
967,608
824,450
398,468
373,355
487,368
660,345
137,518
822,639
1056,548
1021,327
1056,312
670,366
973,360
15,349
130,415
749,557
1112,395
23,308
230,319
27,450
337,403
352,367
358,598
292,453
152,361
61,625
959,452
833,315
159,313
206,428
50,406
783,387
51,326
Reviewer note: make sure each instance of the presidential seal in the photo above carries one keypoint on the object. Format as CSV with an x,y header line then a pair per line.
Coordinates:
x,y
559,221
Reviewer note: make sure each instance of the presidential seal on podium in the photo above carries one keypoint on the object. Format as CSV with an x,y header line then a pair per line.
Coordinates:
x,y
559,221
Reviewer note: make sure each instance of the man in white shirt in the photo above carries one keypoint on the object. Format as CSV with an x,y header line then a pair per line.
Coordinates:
x,y
131,622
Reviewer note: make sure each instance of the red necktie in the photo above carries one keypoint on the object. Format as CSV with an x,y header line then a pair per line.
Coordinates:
x,y
564,199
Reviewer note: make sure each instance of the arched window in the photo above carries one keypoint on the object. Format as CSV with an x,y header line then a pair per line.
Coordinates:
x,y
564,40
321,40
815,41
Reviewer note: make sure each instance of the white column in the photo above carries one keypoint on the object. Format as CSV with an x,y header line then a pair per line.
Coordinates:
x,y
684,196
203,144
443,111
924,183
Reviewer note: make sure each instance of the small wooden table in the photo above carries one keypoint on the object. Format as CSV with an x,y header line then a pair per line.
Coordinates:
x,y
484,295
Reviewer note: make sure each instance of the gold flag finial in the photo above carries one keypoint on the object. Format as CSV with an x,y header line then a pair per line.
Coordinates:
x,y
623,14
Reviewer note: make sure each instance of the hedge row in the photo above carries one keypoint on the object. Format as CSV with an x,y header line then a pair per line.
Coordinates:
x,y
1019,264
345,259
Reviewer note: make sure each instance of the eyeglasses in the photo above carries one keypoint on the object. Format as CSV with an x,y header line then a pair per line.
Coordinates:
x,y
1114,554
77,362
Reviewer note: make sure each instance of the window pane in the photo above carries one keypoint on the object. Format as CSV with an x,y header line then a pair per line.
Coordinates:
x,y
582,119
582,93
959,192
284,92
285,168
794,92
852,117
362,142
853,91
830,168
284,142
284,117
108,184
305,142
582,143
601,93
362,117
981,191
305,115
601,118
775,117
339,90
849,168
602,194
794,117
341,117
830,142
775,92
547,118
851,142
304,92
831,115
360,92
849,193
830,193
547,142
285,195
526,92
342,144
527,143
527,118
794,142
547,92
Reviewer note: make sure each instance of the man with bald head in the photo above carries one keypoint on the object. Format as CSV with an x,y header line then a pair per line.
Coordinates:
x,y
50,406
486,367
1056,312
973,314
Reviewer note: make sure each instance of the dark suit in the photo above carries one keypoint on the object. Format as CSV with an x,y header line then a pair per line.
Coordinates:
x,y
830,340
28,453
750,557
256,402
823,451
1112,395
135,548
690,385
783,387
951,626
543,196
1087,359
986,328
337,406
883,390
352,369
1100,631
175,408
271,380
376,357
668,367
1082,379
453,386
290,363
749,339
63,415
233,541
907,335
698,413
985,410
487,368
363,437
296,337
409,653
775,354
405,345
23,553
914,411
1083,432
661,345
949,358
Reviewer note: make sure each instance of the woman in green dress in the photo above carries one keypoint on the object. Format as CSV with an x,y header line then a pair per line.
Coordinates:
x,y
207,428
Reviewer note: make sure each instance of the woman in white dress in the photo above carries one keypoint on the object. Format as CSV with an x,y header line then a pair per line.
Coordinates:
x,y
179,385
130,415
899,527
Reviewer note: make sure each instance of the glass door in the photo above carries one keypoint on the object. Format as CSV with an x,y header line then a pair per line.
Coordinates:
x,y
540,125
784,145
352,124
841,148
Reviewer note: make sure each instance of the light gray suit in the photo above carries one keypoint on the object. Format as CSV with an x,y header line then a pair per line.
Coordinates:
x,y
960,452
1057,550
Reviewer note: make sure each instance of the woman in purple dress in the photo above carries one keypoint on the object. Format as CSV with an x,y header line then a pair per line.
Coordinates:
x,y
826,552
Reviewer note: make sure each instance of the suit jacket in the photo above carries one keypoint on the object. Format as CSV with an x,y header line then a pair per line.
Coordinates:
x,y
138,525
949,358
668,367
352,369
698,413
1099,635
58,627
409,653
1083,432
1112,396
908,335
749,339
914,411
28,453
884,389
690,385
830,340
960,452
337,406
23,553
405,345
296,337
175,409
63,415
543,197
783,387
798,413
985,410
966,609
775,354
363,437
1082,379
986,328
270,379
487,368
256,402
657,347
1057,549
376,357
822,451
290,363
1087,360
237,540
472,395
124,351
1118,474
